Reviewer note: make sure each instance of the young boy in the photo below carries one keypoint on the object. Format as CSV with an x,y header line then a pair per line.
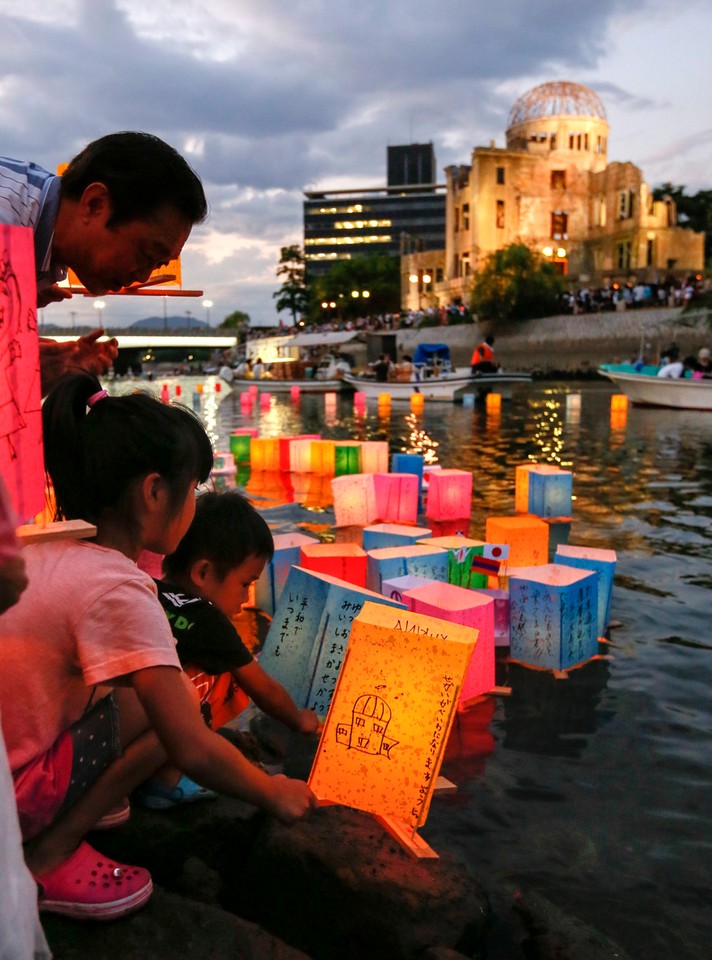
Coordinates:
x,y
206,581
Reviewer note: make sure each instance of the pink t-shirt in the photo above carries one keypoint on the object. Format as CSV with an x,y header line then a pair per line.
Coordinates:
x,y
88,616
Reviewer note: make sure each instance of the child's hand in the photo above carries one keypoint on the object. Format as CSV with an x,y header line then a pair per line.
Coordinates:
x,y
292,799
308,722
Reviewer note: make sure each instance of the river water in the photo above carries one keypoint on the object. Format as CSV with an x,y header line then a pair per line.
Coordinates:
x,y
595,791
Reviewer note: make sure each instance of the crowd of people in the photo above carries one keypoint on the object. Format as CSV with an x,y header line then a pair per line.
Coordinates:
x,y
632,296
97,703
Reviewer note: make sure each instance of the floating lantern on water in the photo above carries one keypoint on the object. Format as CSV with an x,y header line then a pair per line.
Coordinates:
x,y
374,456
449,494
287,554
346,561
294,391
395,588
550,494
322,457
409,463
383,745
603,564
223,472
553,616
468,400
381,535
265,453
462,553
500,599
521,482
240,444
253,390
420,560
417,403
619,402
384,404
526,537
470,609
265,400
493,403
354,500
347,457
396,497
306,642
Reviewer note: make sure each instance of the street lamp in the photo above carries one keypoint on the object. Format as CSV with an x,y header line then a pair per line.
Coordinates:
x,y
100,305
207,304
422,279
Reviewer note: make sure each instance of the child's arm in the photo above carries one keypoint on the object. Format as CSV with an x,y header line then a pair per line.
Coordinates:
x,y
205,756
271,697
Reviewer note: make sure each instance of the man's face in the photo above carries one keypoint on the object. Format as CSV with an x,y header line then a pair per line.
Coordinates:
x,y
112,257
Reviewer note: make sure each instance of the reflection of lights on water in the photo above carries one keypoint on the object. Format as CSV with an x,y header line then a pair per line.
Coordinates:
x,y
548,430
419,441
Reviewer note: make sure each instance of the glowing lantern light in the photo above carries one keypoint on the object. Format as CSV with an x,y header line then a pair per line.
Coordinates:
x,y
287,554
619,402
553,616
318,493
619,418
417,403
346,561
386,563
359,398
493,403
354,500
240,442
272,487
265,453
223,472
265,400
306,642
521,482
461,553
300,455
603,564
330,399
468,400
347,457
253,390
384,404
449,495
409,463
382,747
470,609
573,403
381,535
322,457
294,392
526,537
550,494
374,456
396,497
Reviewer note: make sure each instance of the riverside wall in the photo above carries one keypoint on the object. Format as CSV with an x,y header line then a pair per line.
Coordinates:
x,y
568,344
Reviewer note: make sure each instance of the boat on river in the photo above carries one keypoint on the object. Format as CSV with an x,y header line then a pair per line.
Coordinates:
x,y
646,389
434,377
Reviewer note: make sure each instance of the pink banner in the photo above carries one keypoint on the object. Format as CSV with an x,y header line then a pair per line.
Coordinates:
x,y
21,459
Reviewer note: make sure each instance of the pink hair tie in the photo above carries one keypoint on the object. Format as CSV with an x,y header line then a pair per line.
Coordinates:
x,y
96,397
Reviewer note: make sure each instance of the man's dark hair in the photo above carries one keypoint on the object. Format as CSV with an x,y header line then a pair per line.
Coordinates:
x,y
142,174
226,530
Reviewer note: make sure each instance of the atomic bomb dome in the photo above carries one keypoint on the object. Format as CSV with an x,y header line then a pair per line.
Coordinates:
x,y
566,119
556,99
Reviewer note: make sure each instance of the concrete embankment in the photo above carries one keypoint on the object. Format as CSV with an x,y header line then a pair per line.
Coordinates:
x,y
568,344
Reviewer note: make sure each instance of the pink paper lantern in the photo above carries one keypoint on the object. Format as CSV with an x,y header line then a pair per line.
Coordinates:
x,y
471,609
396,497
265,400
449,494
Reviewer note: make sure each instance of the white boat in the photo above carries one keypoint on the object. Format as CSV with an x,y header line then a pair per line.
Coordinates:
x,y
434,378
284,385
647,389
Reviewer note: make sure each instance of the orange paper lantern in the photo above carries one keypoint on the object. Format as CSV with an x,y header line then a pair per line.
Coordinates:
x,y
527,538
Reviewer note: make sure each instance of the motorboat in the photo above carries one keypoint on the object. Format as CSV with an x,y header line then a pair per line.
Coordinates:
x,y
644,387
434,377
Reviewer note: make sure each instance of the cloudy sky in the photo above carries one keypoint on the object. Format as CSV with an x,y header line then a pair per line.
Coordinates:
x,y
267,98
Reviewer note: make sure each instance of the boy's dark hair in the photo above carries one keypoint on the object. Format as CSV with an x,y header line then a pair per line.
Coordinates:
x,y
94,455
226,530
142,173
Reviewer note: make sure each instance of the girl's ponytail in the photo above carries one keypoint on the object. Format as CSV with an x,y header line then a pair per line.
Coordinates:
x,y
96,446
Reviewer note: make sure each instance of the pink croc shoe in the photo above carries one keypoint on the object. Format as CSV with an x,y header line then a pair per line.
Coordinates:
x,y
90,886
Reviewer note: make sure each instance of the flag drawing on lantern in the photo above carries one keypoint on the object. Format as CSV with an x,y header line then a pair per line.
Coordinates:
x,y
526,537
493,556
553,616
462,554
389,721
307,640
21,456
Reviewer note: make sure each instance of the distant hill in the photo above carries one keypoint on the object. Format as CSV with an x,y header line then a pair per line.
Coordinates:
x,y
180,322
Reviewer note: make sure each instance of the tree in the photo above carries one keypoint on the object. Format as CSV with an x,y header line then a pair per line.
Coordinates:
x,y
376,274
293,294
516,283
238,321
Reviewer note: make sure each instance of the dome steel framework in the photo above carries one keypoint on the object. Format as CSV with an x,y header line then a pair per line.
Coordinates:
x,y
555,99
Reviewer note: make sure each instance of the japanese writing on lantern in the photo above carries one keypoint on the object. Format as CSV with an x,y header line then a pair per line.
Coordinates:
x,y
408,626
292,624
331,656
435,743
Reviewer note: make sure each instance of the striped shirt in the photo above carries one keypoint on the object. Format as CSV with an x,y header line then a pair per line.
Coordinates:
x,y
29,197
